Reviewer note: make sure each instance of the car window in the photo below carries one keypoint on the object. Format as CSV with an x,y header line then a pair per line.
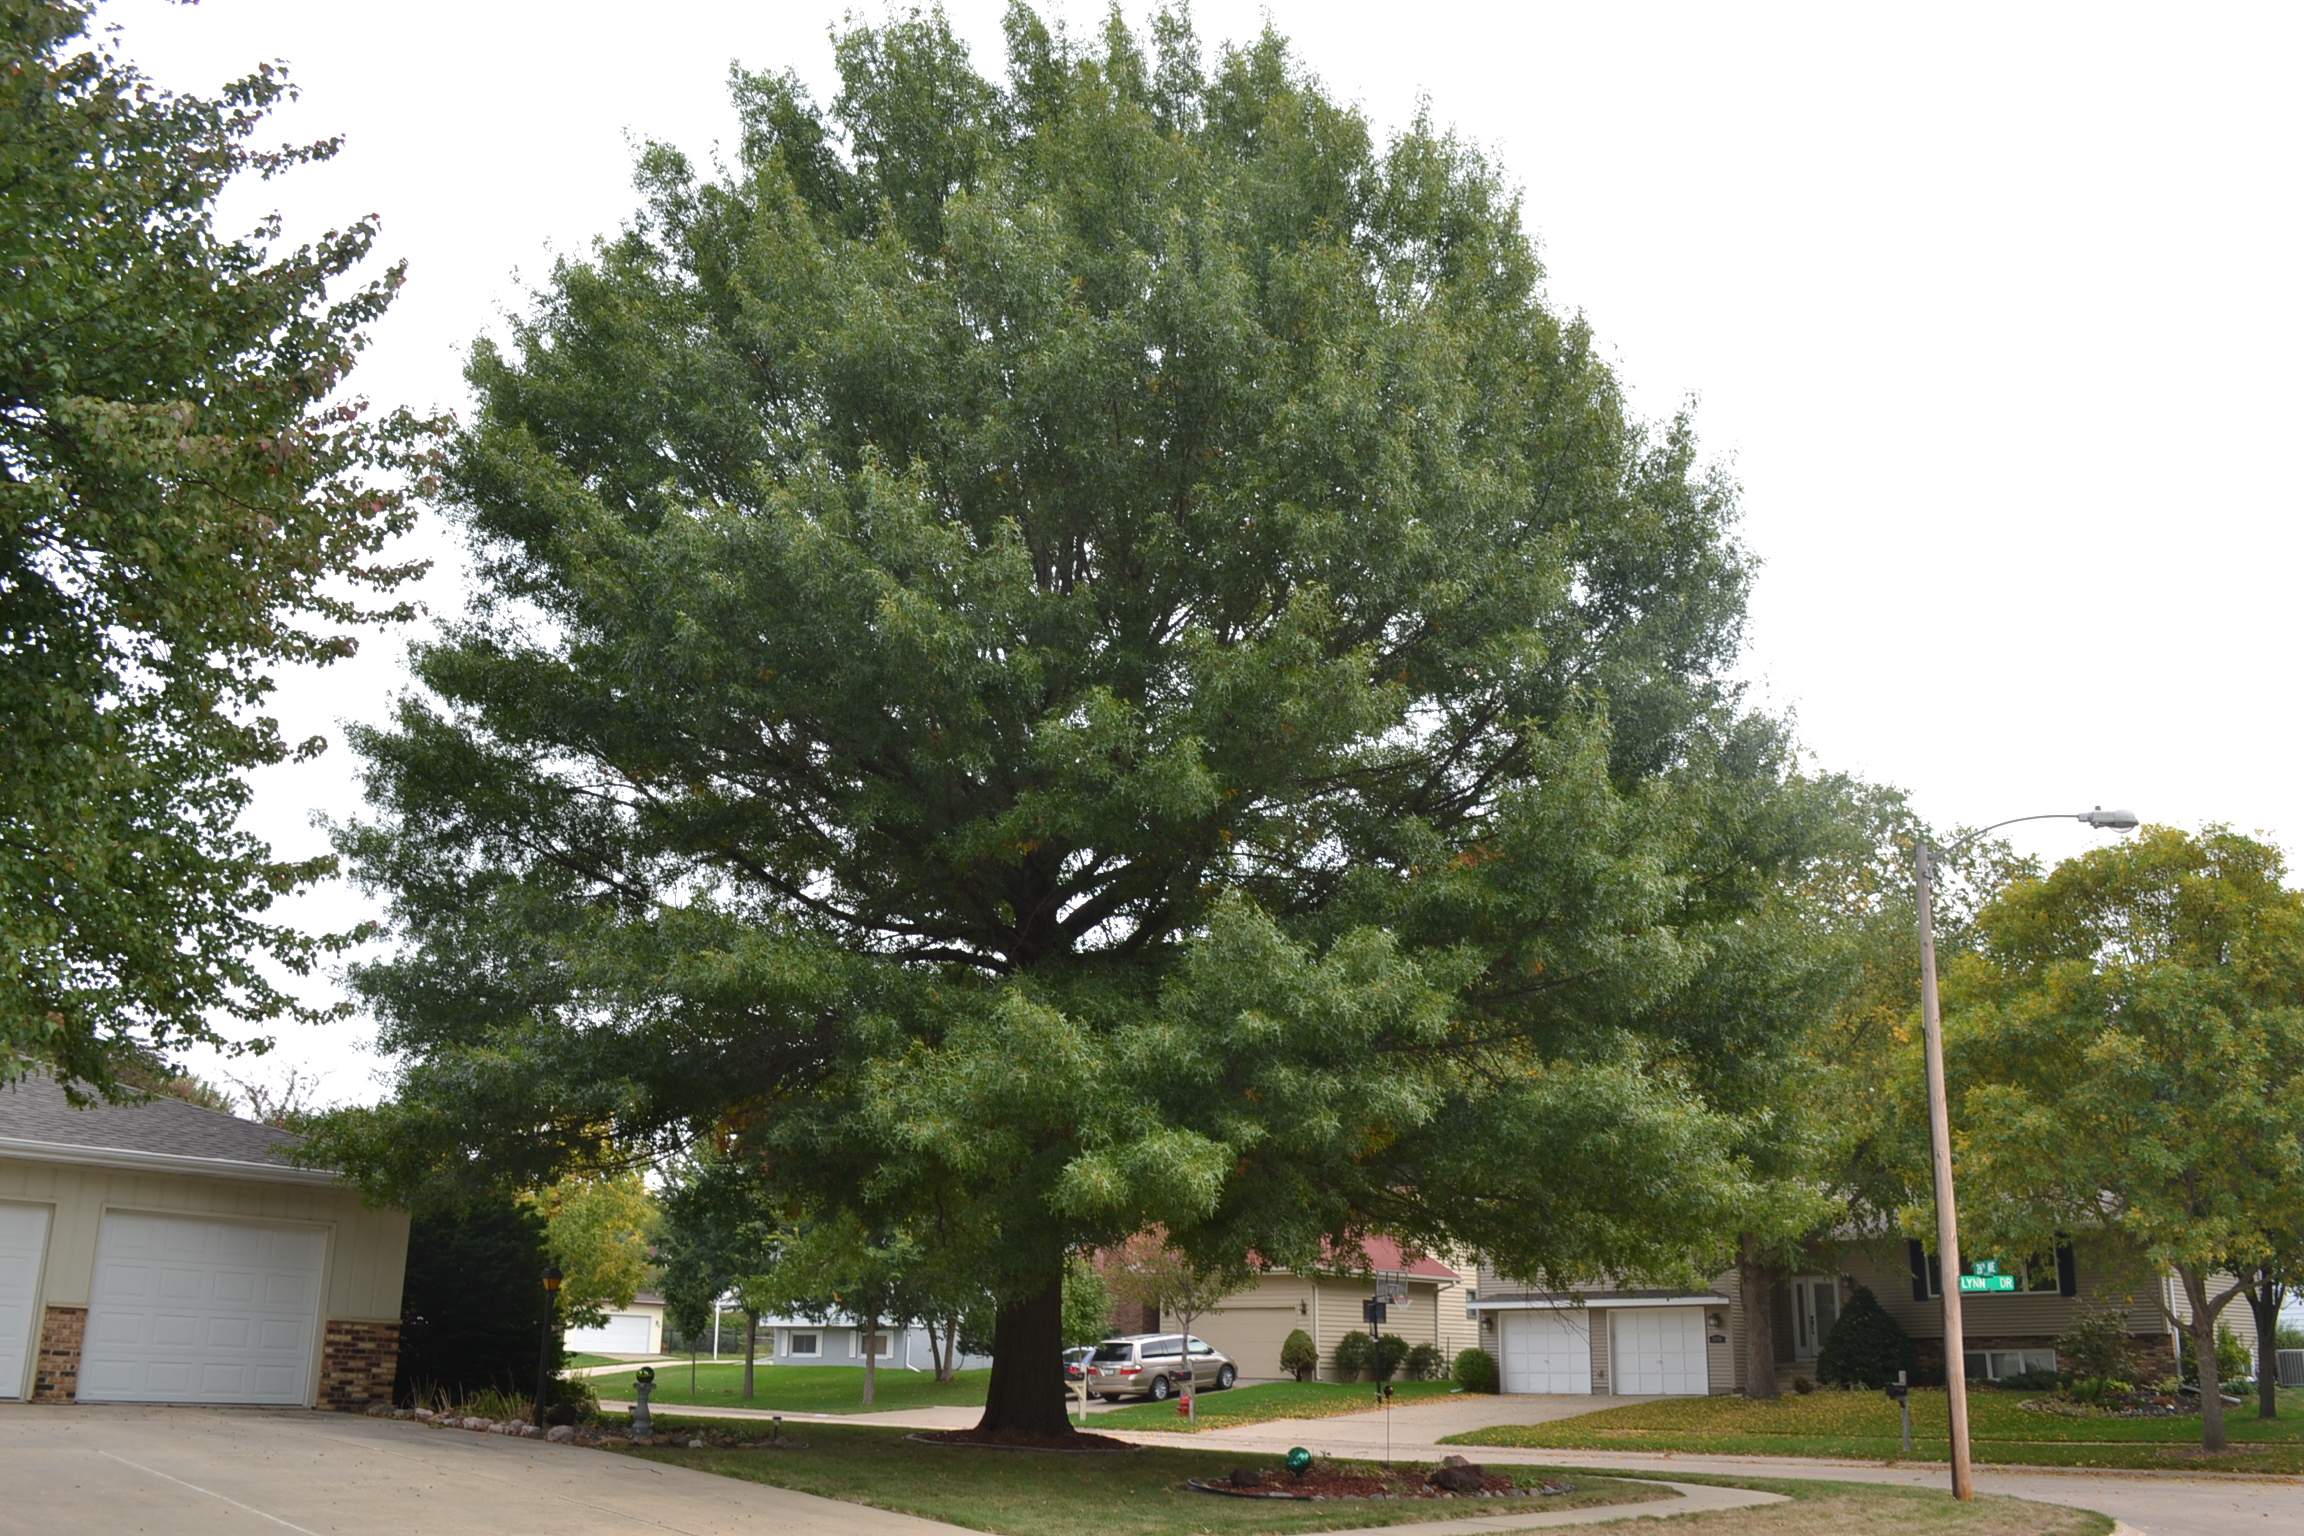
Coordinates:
x,y
1173,1344
1115,1354
1200,1347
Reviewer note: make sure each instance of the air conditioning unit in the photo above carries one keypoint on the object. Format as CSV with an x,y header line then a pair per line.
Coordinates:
x,y
2291,1367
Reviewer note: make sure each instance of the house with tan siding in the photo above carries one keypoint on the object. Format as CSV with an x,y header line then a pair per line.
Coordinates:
x,y
1251,1325
1632,1342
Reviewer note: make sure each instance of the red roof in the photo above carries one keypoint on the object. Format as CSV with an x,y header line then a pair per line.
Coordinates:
x,y
1385,1257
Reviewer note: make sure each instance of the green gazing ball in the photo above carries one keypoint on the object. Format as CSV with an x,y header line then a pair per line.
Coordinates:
x,y
1298,1458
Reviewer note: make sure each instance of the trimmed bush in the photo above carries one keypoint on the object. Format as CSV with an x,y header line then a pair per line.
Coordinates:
x,y
1391,1353
1424,1362
2097,1342
1475,1370
1355,1353
1866,1347
1299,1356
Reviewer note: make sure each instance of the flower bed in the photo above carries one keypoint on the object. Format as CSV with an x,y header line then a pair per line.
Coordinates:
x,y
1452,1479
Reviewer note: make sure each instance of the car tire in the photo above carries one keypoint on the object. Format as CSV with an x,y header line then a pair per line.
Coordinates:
x,y
1225,1376
1158,1391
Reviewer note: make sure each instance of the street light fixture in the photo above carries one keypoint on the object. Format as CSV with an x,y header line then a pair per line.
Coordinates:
x,y
1940,1135
544,1344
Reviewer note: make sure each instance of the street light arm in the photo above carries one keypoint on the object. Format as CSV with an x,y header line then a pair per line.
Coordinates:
x,y
2117,821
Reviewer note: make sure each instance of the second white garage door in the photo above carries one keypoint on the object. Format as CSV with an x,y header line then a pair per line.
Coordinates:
x,y
1658,1351
1547,1352
192,1311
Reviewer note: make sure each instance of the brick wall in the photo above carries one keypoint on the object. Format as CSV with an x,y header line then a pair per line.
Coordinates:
x,y
56,1373
357,1361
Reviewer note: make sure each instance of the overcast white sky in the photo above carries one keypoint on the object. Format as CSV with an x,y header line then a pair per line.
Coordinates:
x,y
1991,309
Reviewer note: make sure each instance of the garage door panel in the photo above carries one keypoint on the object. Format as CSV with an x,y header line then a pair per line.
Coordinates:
x,y
23,1239
199,1311
1546,1352
1659,1351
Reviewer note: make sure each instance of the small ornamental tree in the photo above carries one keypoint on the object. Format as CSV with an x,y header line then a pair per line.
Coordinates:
x,y
2127,1055
1866,1348
1299,1356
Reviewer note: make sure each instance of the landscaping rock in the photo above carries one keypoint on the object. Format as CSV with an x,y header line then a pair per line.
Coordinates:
x,y
423,1415
1244,1478
696,1445
378,1410
1461,1478
560,1434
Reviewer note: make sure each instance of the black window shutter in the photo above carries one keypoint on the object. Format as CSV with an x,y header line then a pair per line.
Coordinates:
x,y
2067,1271
1919,1270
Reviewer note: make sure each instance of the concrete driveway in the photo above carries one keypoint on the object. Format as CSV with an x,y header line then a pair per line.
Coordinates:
x,y
245,1471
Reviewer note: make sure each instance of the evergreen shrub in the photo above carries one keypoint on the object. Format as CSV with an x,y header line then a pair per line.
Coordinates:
x,y
1355,1353
1299,1356
1475,1370
1866,1347
1424,1362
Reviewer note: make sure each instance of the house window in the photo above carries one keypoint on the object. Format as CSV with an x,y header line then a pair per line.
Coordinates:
x,y
880,1346
804,1346
1994,1364
2046,1274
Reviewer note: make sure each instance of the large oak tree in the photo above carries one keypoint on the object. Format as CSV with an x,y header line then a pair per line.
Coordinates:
x,y
1076,651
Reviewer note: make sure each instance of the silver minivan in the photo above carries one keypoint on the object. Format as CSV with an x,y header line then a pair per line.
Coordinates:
x,y
1152,1364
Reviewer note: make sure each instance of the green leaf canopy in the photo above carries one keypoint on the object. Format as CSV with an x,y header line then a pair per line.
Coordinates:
x,y
186,503
1076,651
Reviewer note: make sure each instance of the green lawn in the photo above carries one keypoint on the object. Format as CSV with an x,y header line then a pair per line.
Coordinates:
x,y
1863,1425
800,1388
582,1360
1018,1493
1272,1400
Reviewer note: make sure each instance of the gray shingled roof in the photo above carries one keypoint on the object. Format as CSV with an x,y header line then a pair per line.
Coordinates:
x,y
34,1109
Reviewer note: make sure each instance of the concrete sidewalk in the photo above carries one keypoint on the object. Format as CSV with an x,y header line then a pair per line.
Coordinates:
x,y
2156,1503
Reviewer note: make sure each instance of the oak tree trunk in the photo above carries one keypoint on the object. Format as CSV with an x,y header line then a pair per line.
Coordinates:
x,y
1754,1278
871,1354
1026,1393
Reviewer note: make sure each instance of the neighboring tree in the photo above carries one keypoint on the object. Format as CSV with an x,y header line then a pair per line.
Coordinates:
x,y
186,506
473,1305
2127,1055
1867,1347
837,1267
1079,652
287,1105
2278,1274
601,1231
1149,1271
717,1236
1299,1356
1087,1302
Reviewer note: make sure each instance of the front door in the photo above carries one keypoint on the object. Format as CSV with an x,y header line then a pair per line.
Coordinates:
x,y
1815,1308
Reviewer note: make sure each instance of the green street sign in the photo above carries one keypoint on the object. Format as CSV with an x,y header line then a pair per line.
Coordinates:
x,y
1987,1282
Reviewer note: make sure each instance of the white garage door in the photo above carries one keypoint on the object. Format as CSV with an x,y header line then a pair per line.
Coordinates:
x,y
191,1311
1658,1351
624,1333
23,1233
1547,1352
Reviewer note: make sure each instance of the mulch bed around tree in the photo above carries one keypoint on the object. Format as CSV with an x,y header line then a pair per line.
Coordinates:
x,y
997,1440
1405,1483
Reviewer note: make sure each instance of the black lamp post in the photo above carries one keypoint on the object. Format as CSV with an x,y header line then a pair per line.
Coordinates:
x,y
544,1344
